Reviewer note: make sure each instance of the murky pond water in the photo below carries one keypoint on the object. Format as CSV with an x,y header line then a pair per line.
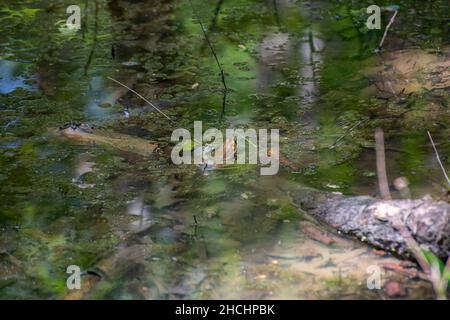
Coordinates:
x,y
142,227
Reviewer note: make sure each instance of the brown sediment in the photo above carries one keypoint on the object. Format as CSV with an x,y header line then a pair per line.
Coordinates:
x,y
412,71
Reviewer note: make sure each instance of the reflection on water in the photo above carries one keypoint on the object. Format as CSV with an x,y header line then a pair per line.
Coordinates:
x,y
9,80
311,48
147,229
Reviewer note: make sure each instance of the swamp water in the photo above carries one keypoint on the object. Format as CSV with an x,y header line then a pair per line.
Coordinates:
x,y
144,228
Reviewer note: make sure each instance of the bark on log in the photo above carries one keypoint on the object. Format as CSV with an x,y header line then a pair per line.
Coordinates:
x,y
372,220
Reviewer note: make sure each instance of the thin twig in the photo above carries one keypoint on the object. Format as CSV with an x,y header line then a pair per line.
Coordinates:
x,y
216,14
140,96
381,165
277,15
438,158
222,72
438,278
346,133
387,29
94,41
412,245
224,103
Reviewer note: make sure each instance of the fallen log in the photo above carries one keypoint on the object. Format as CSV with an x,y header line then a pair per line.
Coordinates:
x,y
376,221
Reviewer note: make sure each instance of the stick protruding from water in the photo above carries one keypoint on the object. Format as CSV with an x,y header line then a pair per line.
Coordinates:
x,y
381,165
140,96
438,158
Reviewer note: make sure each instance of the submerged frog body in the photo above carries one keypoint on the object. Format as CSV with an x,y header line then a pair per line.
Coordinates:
x,y
86,133
226,150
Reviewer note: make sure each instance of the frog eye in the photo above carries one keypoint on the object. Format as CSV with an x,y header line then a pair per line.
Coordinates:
x,y
65,126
